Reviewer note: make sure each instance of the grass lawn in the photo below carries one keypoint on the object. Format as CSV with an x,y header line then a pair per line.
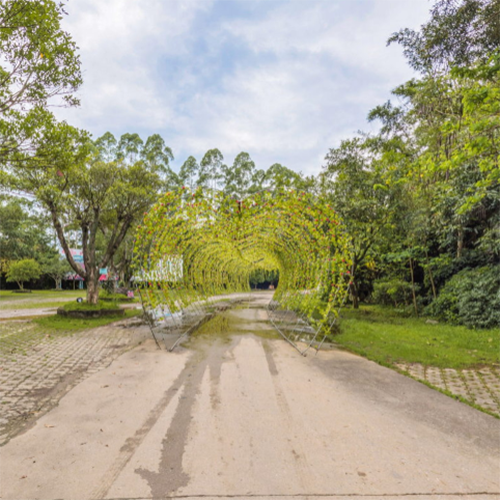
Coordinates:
x,y
386,336
57,322
37,298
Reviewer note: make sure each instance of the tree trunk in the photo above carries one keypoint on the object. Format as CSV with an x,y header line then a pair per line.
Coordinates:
x,y
431,278
413,287
92,286
354,295
460,243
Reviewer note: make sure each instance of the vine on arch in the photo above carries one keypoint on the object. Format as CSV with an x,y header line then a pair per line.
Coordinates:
x,y
194,247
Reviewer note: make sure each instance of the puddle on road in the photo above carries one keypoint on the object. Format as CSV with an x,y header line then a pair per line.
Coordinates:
x,y
241,320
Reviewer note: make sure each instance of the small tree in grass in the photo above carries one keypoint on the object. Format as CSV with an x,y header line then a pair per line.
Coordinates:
x,y
23,270
56,268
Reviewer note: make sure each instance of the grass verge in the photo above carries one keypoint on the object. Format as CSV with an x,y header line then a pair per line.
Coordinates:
x,y
386,336
38,298
57,322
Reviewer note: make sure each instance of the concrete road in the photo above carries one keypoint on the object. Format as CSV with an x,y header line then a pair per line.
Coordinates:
x,y
245,416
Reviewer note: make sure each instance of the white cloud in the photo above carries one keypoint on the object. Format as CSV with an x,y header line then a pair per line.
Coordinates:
x,y
121,45
353,34
284,82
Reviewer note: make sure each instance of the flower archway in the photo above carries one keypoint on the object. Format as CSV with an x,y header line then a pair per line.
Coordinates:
x,y
193,247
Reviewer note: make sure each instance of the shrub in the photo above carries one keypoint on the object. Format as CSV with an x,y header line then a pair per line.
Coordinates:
x,y
78,306
471,298
392,292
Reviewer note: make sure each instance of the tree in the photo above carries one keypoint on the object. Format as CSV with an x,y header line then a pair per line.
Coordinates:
x,y
107,147
277,177
211,169
102,200
55,267
459,33
23,270
366,203
24,231
239,178
157,155
22,235
129,147
188,174
39,66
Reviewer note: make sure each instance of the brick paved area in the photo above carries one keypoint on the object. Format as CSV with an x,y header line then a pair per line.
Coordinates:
x,y
37,367
480,387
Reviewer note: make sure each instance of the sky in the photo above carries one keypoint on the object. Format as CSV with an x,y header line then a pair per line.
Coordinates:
x,y
284,81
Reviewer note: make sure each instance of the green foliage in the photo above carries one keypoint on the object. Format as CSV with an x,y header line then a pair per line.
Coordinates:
x,y
38,57
354,183
39,67
103,200
458,33
55,267
23,270
471,298
239,179
189,172
24,233
260,275
421,198
115,297
393,292
211,169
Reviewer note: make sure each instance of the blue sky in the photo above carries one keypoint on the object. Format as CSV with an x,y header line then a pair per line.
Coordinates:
x,y
281,80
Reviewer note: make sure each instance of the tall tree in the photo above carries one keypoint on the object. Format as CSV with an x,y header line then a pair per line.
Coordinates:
x,y
101,199
239,178
211,169
188,174
278,176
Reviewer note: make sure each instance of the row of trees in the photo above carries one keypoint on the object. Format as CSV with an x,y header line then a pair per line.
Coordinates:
x,y
96,200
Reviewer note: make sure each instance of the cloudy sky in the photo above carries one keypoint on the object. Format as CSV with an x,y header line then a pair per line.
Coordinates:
x,y
281,80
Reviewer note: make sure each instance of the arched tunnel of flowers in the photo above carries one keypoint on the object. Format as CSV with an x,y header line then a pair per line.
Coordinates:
x,y
193,248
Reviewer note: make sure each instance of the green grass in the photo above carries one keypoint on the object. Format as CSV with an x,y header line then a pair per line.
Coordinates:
x,y
386,336
84,306
57,322
38,298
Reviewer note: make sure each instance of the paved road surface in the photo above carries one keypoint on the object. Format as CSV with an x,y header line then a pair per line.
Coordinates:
x,y
246,416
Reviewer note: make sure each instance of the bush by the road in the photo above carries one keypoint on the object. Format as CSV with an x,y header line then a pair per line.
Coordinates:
x,y
470,298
